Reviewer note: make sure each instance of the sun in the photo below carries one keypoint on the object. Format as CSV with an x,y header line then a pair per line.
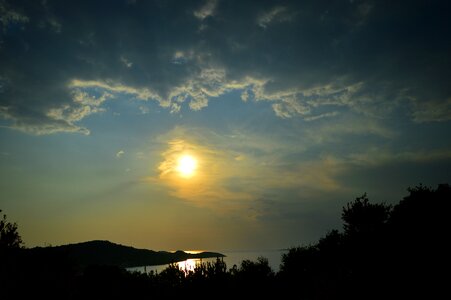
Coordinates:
x,y
186,165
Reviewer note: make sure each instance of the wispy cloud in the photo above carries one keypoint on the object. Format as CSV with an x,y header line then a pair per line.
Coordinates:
x,y
432,111
234,178
375,156
120,153
83,106
347,125
8,16
206,10
126,62
113,87
38,124
276,14
144,109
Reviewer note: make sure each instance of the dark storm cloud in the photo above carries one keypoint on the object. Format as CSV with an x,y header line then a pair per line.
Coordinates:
x,y
60,60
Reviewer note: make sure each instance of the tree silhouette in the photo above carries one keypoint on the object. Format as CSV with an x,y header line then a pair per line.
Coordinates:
x,y
419,236
363,217
255,271
9,236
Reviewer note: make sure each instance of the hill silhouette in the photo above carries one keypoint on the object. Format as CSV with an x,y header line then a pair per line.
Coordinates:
x,y
111,254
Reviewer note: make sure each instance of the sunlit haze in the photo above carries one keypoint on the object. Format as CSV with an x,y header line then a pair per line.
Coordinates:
x,y
186,165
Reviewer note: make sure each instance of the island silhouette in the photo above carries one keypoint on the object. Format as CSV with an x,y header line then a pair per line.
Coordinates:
x,y
106,253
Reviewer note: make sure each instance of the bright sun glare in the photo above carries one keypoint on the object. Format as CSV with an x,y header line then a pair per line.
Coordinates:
x,y
186,165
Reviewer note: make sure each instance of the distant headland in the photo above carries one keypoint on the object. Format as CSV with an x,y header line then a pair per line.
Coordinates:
x,y
108,253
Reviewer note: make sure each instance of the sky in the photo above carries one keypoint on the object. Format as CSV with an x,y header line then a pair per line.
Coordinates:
x,y
286,111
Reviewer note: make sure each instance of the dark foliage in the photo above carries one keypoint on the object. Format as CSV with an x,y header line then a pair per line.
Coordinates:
x,y
364,218
9,236
384,252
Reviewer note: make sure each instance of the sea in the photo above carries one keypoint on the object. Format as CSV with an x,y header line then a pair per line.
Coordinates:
x,y
233,257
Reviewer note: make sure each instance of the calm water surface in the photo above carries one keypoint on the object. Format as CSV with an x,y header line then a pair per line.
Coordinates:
x,y
232,258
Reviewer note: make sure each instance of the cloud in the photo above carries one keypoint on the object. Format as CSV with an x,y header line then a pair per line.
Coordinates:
x,y
206,10
236,170
245,95
144,109
38,124
9,16
276,14
325,115
120,153
308,59
142,94
376,156
85,105
349,125
206,188
430,111
241,169
126,62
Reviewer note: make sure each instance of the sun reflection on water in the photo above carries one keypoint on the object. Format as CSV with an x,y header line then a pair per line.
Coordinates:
x,y
189,264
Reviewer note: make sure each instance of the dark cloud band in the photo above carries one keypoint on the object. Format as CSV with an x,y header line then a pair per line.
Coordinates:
x,y
61,60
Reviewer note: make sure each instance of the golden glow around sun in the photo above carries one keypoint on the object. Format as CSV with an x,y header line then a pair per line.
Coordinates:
x,y
186,165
